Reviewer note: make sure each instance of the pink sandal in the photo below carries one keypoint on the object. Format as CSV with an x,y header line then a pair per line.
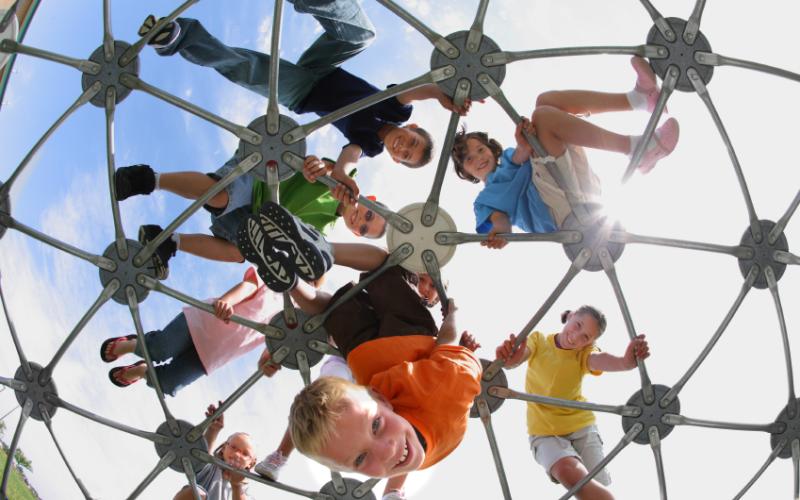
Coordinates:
x,y
661,145
116,375
646,82
108,346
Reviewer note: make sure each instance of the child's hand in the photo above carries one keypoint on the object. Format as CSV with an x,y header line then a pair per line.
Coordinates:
x,y
347,191
494,241
313,168
218,423
468,340
268,368
223,310
637,349
233,477
524,149
506,352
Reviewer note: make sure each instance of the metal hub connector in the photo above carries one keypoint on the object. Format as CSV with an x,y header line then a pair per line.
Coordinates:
x,y
180,445
272,147
680,54
651,414
595,237
763,253
789,424
296,340
422,238
126,273
350,491
468,65
493,402
41,394
110,73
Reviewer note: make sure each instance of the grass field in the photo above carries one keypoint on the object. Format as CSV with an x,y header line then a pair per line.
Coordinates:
x,y
17,490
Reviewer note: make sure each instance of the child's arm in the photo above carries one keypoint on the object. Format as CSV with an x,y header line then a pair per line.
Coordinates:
x,y
359,256
216,425
223,306
395,485
637,348
447,333
314,168
523,150
500,224
432,91
348,157
309,299
511,358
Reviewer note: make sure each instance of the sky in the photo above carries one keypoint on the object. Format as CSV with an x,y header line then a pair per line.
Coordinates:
x,y
676,297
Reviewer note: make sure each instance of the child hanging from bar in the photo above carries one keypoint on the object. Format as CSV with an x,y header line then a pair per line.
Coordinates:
x,y
527,196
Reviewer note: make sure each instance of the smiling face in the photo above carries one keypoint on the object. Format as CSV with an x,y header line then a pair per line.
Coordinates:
x,y
479,160
405,145
427,290
371,439
238,451
363,221
579,331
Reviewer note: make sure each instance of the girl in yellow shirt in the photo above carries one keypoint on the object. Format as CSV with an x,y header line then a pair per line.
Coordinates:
x,y
565,441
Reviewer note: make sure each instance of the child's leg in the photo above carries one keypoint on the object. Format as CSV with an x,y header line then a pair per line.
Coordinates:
x,y
359,256
168,342
192,185
309,299
556,128
210,247
584,102
569,471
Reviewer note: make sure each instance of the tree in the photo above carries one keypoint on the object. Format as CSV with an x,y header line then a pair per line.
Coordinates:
x,y
22,460
2,428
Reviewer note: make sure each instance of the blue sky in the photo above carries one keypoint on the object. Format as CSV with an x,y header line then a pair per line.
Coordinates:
x,y
677,297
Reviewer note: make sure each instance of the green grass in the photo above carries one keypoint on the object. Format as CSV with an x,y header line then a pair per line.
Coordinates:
x,y
17,489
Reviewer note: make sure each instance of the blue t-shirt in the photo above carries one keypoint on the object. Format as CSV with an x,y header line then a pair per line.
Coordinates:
x,y
340,88
509,189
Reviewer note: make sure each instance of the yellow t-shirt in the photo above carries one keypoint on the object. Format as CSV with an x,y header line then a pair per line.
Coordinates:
x,y
556,373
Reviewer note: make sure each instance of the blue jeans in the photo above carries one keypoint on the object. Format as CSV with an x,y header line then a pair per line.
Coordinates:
x,y
347,31
174,341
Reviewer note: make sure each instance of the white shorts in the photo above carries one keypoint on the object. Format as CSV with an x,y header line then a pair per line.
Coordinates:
x,y
585,444
580,181
336,366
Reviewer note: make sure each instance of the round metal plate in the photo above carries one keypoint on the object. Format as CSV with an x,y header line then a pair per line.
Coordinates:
x,y
651,414
10,33
595,237
37,392
422,237
762,254
181,446
468,65
296,339
493,402
126,273
109,74
791,431
680,54
350,485
5,206
271,148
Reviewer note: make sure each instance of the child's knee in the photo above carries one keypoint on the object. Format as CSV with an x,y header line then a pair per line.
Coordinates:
x,y
567,471
549,98
543,115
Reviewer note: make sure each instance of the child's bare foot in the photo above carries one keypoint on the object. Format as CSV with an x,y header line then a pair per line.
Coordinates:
x,y
645,94
661,145
123,376
111,349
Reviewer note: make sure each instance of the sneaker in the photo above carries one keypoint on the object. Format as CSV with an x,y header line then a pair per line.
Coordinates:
x,y
661,145
168,34
309,252
163,253
646,83
133,180
271,466
274,266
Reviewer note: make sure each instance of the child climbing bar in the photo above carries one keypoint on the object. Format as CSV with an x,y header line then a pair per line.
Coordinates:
x,y
565,441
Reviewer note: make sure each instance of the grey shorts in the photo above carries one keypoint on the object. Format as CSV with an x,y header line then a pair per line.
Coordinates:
x,y
584,444
225,221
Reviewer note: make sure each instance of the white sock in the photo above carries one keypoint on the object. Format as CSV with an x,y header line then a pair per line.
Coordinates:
x,y
176,237
637,100
158,181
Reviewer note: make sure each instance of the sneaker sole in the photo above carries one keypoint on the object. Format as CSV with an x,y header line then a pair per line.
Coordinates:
x,y
161,270
265,473
307,261
273,267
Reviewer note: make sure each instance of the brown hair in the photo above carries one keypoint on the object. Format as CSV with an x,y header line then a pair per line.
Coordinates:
x,y
591,311
427,151
459,152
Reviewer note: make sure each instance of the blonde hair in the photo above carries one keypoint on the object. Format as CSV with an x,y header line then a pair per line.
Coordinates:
x,y
315,411
218,451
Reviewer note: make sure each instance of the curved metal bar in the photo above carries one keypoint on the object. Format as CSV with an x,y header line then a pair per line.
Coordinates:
x,y
442,44
506,57
432,266
678,386
693,23
189,470
273,114
82,99
781,224
626,440
506,393
302,364
625,237
486,420
666,90
17,345
431,208
786,258
702,91
162,464
365,487
82,65
712,59
476,30
199,429
338,483
787,354
324,348
137,47
119,232
150,436
23,417
47,423
239,131
14,384
655,444
672,419
456,238
661,23
274,182
108,36
796,467
780,446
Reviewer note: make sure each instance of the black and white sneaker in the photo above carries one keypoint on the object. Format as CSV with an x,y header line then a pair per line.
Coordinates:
x,y
163,253
168,34
274,266
133,180
310,253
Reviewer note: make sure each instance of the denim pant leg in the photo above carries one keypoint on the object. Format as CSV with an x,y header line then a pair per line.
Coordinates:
x,y
169,342
244,67
180,372
348,31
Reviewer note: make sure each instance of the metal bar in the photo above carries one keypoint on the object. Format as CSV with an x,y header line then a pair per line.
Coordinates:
x,y
239,131
157,286
108,37
431,208
456,238
189,471
506,57
365,487
693,23
486,420
786,257
397,256
702,91
773,288
655,444
666,90
393,219
302,363
796,467
82,65
506,393
273,114
324,348
672,419
711,59
580,261
437,40
162,464
133,305
775,451
746,286
8,16
432,266
303,131
611,272
661,23
109,290
338,483
85,97
199,429
625,237
134,50
241,168
23,417
47,423
781,224
17,345
476,31
150,436
14,384
626,440
97,260
119,232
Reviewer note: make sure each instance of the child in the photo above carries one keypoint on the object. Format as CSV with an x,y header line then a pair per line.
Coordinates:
x,y
198,342
565,441
311,202
316,84
215,482
530,198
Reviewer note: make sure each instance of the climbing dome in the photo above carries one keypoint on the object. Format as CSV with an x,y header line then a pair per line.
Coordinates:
x,y
724,439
